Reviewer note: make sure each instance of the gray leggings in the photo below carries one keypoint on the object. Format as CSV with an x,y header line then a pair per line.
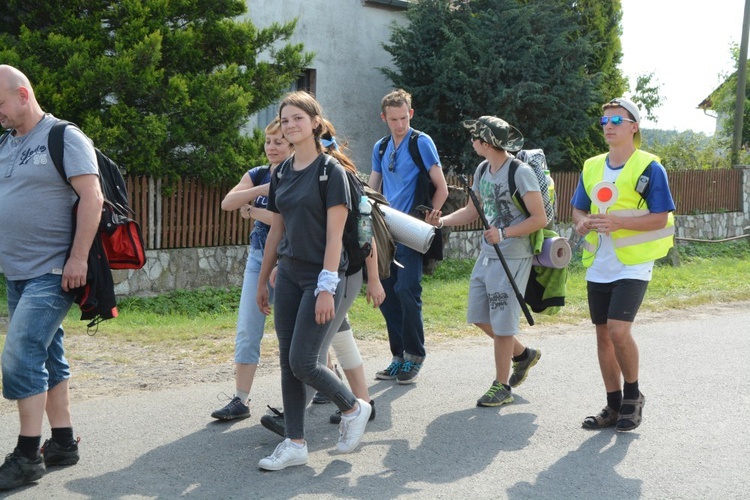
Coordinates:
x,y
352,287
300,343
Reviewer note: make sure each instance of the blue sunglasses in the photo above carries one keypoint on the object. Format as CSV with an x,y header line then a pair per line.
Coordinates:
x,y
616,120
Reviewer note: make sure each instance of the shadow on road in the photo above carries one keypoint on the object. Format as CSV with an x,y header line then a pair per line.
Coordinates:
x,y
583,472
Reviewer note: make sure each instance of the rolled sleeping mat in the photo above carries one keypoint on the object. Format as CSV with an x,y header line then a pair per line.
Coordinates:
x,y
407,230
555,253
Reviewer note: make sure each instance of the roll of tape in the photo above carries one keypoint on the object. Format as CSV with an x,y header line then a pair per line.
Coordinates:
x,y
555,253
408,230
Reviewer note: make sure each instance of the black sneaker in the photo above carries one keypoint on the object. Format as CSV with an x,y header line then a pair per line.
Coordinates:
x,y
336,417
275,422
55,454
234,409
19,470
320,399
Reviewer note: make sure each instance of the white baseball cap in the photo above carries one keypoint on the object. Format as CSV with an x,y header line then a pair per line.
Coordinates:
x,y
631,108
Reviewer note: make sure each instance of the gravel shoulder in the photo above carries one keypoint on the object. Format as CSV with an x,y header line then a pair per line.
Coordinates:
x,y
103,367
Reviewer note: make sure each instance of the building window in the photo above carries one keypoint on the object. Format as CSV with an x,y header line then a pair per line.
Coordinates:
x,y
395,4
306,81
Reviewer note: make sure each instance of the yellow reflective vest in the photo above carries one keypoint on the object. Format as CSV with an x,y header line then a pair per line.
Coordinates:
x,y
631,247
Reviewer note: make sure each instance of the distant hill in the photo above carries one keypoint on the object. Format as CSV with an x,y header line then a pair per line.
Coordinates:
x,y
652,137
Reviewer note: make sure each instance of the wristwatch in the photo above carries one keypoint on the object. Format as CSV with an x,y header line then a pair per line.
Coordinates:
x,y
502,232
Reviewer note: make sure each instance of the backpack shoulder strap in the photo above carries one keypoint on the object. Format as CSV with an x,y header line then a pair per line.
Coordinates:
x,y
56,147
416,156
513,169
483,168
382,145
323,169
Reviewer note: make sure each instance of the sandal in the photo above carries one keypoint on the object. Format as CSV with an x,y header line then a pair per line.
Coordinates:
x,y
632,419
605,418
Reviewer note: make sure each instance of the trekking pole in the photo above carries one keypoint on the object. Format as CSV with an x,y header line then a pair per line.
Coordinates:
x,y
486,225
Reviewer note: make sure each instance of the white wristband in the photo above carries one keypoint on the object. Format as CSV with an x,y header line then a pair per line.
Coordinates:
x,y
327,282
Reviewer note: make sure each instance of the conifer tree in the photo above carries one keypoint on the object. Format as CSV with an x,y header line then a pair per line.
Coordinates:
x,y
165,87
530,62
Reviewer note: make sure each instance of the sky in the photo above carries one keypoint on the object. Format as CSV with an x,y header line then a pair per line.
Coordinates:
x,y
686,45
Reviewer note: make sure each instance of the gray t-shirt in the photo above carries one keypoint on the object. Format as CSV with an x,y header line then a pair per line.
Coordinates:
x,y
499,208
35,203
296,196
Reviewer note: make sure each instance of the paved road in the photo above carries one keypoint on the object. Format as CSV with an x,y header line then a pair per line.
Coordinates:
x,y
430,441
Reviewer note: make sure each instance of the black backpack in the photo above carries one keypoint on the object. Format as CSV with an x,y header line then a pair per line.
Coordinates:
x,y
121,236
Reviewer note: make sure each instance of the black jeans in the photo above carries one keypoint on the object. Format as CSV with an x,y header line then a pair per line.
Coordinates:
x,y
300,342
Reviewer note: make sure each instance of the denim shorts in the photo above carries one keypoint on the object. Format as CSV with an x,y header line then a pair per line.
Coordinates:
x,y
33,358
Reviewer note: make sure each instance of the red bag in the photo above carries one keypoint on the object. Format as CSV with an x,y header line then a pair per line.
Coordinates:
x,y
121,239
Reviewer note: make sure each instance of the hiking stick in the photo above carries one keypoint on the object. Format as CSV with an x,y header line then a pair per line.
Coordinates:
x,y
486,225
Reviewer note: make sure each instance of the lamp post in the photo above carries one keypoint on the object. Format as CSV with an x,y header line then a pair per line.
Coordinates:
x,y
739,107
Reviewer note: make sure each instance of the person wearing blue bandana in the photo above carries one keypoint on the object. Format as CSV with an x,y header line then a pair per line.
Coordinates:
x,y
250,197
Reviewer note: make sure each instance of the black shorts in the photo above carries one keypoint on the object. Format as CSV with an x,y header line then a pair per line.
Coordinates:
x,y
618,300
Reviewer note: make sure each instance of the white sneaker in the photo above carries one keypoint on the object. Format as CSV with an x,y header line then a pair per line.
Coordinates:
x,y
285,455
351,429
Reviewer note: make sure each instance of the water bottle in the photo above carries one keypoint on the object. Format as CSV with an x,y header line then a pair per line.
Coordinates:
x,y
365,221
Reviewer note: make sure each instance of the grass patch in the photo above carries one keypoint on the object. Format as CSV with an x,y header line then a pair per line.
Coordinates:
x,y
200,324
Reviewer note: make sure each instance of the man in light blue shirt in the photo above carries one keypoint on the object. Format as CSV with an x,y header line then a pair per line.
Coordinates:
x,y
398,175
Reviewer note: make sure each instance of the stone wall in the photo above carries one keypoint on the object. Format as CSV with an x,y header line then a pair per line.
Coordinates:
x,y
191,268
184,269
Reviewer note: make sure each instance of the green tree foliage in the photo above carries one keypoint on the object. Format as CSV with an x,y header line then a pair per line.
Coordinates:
x,y
647,94
163,86
600,23
724,100
685,150
529,62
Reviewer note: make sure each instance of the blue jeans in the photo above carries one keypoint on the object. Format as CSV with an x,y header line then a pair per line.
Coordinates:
x,y
250,321
33,356
402,307
300,342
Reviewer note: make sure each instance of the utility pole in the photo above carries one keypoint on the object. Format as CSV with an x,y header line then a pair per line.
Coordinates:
x,y
739,107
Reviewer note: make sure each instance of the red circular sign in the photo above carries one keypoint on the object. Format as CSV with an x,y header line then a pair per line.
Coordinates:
x,y
604,194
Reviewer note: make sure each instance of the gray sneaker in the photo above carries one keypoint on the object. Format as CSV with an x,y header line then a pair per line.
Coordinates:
x,y
408,373
521,368
497,395
392,371
19,470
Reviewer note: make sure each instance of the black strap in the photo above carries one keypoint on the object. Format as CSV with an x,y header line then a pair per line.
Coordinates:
x,y
413,148
514,164
55,143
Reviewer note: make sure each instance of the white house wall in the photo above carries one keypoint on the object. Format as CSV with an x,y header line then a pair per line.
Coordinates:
x,y
346,37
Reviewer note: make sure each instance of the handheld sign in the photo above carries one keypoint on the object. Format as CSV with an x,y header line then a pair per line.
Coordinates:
x,y
604,195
